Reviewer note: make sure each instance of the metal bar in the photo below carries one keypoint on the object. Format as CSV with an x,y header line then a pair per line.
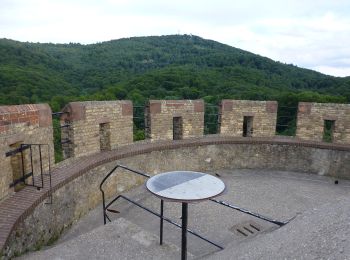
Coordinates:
x,y
257,215
104,208
15,182
135,171
184,231
66,141
31,163
161,222
124,167
50,179
18,150
59,113
23,173
41,167
103,181
169,221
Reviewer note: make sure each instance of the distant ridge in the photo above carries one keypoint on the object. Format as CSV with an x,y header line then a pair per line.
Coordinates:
x,y
139,68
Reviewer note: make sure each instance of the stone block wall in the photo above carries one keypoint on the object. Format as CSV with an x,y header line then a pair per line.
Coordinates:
x,y
311,117
28,228
95,126
23,124
174,119
261,115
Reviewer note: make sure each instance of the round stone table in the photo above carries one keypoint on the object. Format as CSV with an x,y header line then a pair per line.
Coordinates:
x,y
184,187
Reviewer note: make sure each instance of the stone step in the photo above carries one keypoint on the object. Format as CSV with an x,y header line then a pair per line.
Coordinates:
x,y
120,239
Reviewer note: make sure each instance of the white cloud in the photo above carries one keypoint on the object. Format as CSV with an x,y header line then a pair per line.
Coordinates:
x,y
312,34
312,42
334,71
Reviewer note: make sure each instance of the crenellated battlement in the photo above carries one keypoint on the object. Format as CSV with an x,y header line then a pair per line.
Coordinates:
x,y
95,126
174,119
312,118
248,118
98,134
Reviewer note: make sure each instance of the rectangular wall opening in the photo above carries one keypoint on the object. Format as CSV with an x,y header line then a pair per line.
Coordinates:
x,y
105,137
248,126
147,122
66,139
16,165
177,128
328,130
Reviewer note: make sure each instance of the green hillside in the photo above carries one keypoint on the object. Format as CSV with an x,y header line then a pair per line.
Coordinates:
x,y
165,67
176,66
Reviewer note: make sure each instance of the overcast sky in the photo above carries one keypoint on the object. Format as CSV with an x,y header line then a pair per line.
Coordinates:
x,y
313,34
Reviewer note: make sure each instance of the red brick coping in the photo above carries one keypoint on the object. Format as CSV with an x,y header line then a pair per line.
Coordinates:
x,y
14,209
32,114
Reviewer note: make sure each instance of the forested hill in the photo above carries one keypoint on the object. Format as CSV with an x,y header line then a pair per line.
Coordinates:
x,y
167,67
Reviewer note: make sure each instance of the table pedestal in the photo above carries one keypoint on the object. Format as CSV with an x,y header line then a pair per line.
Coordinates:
x,y
184,187
184,231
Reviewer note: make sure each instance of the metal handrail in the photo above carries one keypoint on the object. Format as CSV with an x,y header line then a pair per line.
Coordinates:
x,y
169,220
257,215
105,207
25,175
104,180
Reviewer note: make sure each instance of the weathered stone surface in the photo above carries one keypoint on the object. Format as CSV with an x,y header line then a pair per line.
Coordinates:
x,y
279,194
107,125
311,116
263,113
23,124
80,194
159,119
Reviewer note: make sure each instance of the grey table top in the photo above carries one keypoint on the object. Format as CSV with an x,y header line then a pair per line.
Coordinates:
x,y
185,186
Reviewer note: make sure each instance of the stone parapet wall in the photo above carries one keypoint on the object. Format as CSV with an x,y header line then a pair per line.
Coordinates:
x,y
23,124
311,117
160,122
28,223
263,114
96,125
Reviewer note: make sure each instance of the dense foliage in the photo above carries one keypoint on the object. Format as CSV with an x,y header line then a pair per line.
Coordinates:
x,y
165,67
142,68
178,66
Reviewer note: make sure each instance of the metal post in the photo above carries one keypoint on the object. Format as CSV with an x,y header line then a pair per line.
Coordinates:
x,y
104,208
31,163
184,231
41,167
161,222
23,173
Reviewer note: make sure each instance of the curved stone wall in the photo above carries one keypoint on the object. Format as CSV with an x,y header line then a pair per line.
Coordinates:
x,y
27,222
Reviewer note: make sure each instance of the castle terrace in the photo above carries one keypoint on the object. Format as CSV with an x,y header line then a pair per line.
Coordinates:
x,y
29,221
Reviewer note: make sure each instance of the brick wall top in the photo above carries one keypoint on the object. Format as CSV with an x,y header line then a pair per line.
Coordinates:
x,y
231,104
77,110
306,107
32,114
156,105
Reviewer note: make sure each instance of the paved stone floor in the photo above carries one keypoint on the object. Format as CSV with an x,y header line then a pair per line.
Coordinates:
x,y
320,228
